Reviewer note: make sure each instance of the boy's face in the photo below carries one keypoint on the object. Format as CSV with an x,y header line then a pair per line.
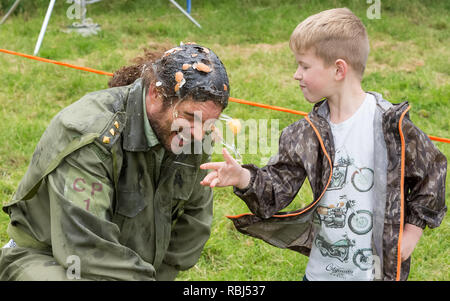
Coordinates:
x,y
316,80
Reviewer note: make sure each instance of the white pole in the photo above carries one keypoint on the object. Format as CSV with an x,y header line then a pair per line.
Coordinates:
x,y
44,26
184,12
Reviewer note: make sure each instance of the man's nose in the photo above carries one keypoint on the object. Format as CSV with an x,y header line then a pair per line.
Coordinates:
x,y
197,131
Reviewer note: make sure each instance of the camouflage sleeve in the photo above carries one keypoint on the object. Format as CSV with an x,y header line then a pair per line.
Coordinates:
x,y
190,232
274,186
80,192
425,168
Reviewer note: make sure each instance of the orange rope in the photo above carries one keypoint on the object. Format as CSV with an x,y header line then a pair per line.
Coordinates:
x,y
55,62
402,196
241,101
275,108
446,140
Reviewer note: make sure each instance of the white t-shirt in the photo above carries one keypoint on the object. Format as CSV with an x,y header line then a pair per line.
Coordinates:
x,y
342,247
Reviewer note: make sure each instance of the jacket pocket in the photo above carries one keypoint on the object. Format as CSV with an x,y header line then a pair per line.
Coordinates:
x,y
130,203
183,182
183,186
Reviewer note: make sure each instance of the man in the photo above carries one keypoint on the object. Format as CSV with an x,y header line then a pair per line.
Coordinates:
x,y
112,191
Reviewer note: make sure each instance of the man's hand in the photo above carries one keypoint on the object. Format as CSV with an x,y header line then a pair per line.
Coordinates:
x,y
228,173
411,236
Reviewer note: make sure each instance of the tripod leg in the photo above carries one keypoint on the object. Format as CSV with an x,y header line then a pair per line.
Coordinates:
x,y
185,13
44,26
13,7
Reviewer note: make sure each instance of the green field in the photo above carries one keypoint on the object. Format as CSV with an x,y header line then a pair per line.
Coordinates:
x,y
409,60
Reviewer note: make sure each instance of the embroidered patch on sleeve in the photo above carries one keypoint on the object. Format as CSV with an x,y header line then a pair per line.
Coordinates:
x,y
88,192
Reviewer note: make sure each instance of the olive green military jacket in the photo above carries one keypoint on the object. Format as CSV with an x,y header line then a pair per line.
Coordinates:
x,y
98,189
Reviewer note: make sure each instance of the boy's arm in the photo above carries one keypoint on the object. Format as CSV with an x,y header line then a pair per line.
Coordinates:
x,y
265,190
426,169
411,236
274,186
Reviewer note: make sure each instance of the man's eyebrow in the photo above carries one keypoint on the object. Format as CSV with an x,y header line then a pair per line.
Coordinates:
x,y
189,114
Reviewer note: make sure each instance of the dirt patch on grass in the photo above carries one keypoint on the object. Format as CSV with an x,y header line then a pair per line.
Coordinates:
x,y
441,79
405,56
394,56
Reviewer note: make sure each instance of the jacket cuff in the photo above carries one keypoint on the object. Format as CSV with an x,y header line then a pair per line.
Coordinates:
x,y
416,221
241,192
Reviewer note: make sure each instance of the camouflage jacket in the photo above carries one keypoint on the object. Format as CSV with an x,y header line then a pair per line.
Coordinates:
x,y
96,188
409,184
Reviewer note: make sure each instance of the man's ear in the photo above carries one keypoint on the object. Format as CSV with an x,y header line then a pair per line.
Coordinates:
x,y
341,68
152,92
153,95
151,99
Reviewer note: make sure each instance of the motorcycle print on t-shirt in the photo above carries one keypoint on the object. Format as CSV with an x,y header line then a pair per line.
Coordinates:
x,y
334,216
362,178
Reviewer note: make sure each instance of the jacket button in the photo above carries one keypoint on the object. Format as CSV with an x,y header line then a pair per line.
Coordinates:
x,y
112,132
116,124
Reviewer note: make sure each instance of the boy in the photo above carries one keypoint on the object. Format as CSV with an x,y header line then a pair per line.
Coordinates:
x,y
377,179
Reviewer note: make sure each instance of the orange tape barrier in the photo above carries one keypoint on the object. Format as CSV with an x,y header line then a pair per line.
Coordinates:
x,y
275,108
56,62
241,101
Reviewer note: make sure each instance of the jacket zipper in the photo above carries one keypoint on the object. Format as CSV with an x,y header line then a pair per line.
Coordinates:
x,y
402,195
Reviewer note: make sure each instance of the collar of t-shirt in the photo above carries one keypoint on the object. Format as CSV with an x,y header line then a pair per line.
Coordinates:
x,y
352,118
342,130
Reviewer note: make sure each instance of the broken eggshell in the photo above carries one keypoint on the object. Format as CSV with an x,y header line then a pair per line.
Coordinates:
x,y
234,125
179,76
202,67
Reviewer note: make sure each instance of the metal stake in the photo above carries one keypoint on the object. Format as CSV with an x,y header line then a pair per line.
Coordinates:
x,y
184,12
44,27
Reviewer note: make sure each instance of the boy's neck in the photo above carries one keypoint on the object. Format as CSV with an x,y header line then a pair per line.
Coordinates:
x,y
345,102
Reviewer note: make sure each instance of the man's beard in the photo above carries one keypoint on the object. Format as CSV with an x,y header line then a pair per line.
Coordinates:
x,y
162,133
165,134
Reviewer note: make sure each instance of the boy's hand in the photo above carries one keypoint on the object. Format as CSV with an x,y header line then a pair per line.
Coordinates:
x,y
411,236
228,173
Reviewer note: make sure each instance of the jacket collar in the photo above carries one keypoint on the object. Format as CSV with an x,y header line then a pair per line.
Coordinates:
x,y
149,133
321,108
134,138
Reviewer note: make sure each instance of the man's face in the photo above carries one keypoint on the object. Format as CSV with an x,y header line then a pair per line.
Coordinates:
x,y
316,80
176,125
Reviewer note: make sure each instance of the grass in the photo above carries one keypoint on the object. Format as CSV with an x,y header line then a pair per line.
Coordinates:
x,y
408,61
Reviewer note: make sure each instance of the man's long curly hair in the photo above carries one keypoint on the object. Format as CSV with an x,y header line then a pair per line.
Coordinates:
x,y
126,75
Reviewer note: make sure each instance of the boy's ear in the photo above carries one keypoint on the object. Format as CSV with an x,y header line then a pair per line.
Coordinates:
x,y
341,68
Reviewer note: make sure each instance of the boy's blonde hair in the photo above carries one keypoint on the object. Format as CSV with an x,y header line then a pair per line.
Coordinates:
x,y
334,34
